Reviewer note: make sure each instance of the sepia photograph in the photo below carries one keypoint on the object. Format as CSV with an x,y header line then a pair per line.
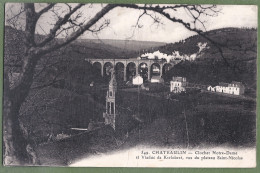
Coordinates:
x,y
130,85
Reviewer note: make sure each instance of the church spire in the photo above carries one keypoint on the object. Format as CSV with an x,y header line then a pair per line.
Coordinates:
x,y
110,114
113,83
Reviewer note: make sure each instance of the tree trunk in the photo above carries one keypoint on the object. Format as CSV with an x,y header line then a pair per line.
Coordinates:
x,y
8,148
14,141
17,147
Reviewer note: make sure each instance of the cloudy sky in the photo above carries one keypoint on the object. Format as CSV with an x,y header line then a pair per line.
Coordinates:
x,y
122,21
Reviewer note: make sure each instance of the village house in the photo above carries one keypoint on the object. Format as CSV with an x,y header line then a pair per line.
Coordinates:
x,y
234,88
157,79
178,84
138,80
222,87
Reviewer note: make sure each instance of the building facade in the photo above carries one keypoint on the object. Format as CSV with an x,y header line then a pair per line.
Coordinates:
x,y
178,84
157,79
234,88
138,80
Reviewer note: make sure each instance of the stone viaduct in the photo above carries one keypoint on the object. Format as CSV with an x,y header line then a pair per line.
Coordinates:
x,y
161,65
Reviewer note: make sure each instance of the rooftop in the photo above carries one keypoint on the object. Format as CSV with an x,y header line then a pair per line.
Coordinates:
x,y
223,84
179,79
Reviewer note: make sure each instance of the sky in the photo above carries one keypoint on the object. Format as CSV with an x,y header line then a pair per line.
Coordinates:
x,y
122,21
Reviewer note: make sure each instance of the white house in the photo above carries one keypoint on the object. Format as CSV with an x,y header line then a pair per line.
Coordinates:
x,y
178,84
222,87
157,79
138,80
235,88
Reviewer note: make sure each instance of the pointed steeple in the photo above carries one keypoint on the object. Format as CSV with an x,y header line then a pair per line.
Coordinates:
x,y
113,83
110,114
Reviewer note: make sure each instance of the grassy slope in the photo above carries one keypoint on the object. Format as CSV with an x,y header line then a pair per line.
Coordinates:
x,y
212,120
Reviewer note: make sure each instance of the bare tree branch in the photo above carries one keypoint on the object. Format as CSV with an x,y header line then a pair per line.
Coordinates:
x,y
46,9
58,25
76,34
15,16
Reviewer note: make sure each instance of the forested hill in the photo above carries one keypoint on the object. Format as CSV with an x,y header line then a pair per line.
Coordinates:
x,y
125,45
238,63
234,37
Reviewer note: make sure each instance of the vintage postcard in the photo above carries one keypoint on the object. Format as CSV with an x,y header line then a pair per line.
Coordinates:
x,y
130,85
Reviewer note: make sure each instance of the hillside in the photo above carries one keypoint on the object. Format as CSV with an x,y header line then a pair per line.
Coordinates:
x,y
239,48
233,37
62,78
125,45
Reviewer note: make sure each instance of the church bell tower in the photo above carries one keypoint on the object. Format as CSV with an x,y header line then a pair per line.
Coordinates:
x,y
110,114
